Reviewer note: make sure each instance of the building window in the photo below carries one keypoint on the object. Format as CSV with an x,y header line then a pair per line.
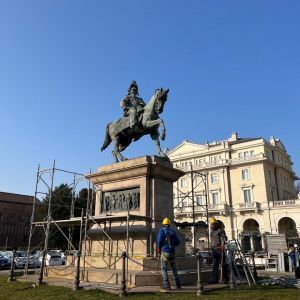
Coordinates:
x,y
270,175
183,182
214,178
246,154
245,174
273,195
200,200
215,198
184,204
247,195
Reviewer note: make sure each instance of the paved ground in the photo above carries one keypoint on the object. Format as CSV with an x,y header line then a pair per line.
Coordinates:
x,y
4,272
283,278
114,288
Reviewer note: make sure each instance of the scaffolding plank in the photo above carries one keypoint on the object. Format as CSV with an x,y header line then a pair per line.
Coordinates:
x,y
98,219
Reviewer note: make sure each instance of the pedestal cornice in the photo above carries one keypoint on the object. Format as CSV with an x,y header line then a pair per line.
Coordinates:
x,y
149,166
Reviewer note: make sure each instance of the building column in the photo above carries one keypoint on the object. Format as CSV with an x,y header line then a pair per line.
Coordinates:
x,y
263,244
231,234
252,242
193,229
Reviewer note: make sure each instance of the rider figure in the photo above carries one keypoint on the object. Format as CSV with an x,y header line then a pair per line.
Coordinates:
x,y
132,104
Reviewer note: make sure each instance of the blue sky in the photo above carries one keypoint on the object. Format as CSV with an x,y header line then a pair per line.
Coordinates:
x,y
65,65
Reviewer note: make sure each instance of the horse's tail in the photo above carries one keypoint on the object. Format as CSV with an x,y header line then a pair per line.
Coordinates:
x,y
107,140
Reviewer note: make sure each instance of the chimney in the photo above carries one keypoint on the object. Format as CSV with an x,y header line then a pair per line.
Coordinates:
x,y
234,137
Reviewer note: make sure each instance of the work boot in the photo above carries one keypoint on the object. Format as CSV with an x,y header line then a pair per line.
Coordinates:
x,y
178,284
212,281
165,289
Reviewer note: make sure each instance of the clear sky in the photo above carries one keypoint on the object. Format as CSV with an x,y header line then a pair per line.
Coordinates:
x,y
65,65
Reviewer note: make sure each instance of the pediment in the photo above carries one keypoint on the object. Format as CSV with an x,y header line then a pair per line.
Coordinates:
x,y
186,147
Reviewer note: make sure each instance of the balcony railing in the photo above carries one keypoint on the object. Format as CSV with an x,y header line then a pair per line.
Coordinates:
x,y
240,207
280,203
246,206
211,208
183,210
247,158
217,207
204,165
221,162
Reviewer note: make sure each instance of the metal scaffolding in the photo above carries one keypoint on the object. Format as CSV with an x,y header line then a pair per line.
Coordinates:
x,y
45,184
191,196
45,187
45,180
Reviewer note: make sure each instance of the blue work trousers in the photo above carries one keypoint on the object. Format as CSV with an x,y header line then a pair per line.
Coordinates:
x,y
165,260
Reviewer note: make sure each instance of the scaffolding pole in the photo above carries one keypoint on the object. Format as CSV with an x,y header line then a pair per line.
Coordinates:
x,y
191,195
32,219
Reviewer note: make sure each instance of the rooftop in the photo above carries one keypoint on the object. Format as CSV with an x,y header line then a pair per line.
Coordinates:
x,y
16,198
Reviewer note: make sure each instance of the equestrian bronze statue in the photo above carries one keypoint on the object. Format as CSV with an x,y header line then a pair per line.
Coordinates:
x,y
139,119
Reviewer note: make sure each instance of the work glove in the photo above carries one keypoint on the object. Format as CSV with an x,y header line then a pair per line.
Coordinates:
x,y
158,252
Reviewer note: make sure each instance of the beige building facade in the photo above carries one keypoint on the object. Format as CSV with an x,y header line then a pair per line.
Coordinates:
x,y
245,183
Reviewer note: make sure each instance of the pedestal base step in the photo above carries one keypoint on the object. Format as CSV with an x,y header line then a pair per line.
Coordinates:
x,y
134,263
134,278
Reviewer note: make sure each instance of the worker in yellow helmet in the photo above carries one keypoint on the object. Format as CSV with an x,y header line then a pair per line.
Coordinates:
x,y
217,241
212,220
166,242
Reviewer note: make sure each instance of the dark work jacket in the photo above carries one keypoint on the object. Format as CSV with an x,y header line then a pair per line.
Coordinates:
x,y
164,235
217,237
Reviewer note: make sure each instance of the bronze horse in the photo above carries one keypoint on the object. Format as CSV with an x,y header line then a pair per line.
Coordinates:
x,y
120,133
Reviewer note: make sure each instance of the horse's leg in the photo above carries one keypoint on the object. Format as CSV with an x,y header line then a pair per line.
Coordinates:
x,y
115,156
116,149
152,123
117,152
122,158
155,138
163,130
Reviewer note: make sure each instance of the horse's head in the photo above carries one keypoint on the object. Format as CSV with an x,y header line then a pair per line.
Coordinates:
x,y
161,98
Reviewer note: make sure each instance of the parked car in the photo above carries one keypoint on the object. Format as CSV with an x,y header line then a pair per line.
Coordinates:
x,y
52,258
5,262
20,259
8,254
63,257
34,261
59,252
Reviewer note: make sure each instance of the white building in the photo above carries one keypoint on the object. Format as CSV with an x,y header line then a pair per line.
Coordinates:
x,y
249,183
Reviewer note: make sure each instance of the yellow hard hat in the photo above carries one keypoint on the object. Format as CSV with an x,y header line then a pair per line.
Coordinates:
x,y
166,221
212,220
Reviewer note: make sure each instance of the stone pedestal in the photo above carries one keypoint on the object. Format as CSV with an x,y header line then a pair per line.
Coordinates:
x,y
140,189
